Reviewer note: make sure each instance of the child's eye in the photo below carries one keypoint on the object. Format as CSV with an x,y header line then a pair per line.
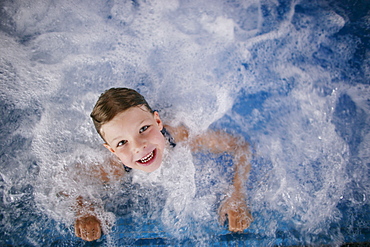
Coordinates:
x,y
121,143
143,129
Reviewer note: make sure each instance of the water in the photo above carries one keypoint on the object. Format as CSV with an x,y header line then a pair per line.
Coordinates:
x,y
290,77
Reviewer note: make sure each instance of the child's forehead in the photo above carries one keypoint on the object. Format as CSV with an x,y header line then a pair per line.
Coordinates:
x,y
126,120
131,114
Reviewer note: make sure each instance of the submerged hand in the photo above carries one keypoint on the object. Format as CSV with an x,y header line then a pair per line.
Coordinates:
x,y
237,212
88,228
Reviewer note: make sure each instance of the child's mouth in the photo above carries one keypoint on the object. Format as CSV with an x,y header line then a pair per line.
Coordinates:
x,y
148,158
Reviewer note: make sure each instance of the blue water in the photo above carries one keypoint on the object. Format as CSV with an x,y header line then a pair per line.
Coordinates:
x,y
291,77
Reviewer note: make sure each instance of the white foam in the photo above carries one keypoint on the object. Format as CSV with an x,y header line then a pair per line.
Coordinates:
x,y
190,60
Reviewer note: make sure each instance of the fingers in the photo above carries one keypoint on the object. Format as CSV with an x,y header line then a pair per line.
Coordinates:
x,y
88,228
239,220
91,232
237,212
234,221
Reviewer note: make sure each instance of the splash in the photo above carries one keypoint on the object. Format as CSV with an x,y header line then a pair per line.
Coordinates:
x,y
291,77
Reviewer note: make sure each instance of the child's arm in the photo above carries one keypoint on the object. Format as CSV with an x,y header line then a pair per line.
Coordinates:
x,y
234,206
87,224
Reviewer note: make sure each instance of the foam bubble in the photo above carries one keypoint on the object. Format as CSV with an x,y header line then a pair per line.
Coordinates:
x,y
288,76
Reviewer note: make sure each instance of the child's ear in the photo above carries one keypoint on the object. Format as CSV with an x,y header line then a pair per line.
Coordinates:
x,y
106,145
158,120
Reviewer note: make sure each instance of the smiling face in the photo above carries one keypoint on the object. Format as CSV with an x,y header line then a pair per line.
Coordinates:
x,y
135,137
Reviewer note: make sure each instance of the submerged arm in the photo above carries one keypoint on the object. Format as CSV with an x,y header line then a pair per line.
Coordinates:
x,y
234,206
88,225
219,142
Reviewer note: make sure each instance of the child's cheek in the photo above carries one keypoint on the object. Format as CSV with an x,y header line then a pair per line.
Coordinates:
x,y
123,156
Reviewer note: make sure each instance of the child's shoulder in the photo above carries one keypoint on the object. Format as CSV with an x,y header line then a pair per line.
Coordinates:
x,y
108,171
180,133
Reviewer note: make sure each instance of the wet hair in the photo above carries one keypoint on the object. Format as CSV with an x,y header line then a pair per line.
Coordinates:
x,y
114,101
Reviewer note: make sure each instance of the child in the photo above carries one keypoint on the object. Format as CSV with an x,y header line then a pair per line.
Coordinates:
x,y
135,134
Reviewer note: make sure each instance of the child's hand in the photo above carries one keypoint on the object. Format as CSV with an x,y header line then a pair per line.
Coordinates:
x,y
237,212
88,228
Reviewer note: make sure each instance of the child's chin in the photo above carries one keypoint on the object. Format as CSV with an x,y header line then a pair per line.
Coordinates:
x,y
152,167
149,168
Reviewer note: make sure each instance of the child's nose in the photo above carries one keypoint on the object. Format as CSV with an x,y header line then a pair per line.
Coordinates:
x,y
140,145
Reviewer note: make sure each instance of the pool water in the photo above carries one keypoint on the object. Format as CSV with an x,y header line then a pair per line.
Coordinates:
x,y
291,77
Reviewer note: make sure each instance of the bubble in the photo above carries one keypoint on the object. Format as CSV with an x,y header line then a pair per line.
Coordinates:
x,y
289,77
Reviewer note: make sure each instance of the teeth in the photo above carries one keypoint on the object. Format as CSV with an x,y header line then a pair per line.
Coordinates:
x,y
147,158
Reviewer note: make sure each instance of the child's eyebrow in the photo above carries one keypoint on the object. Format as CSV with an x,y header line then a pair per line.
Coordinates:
x,y
116,138
142,122
120,138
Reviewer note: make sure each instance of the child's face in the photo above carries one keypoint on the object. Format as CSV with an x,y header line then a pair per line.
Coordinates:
x,y
135,137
